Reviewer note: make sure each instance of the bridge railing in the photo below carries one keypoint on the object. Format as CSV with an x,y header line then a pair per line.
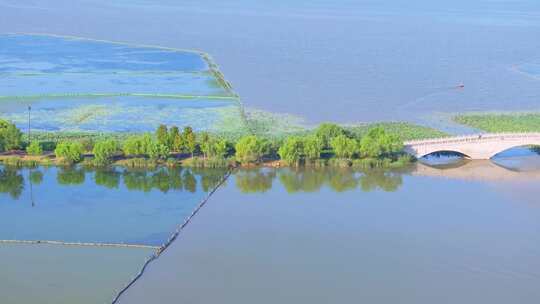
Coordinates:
x,y
472,138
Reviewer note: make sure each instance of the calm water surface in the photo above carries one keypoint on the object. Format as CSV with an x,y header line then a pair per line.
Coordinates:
x,y
340,60
111,206
422,235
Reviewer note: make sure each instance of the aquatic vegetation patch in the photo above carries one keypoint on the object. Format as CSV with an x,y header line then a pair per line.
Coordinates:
x,y
124,114
501,122
83,85
406,131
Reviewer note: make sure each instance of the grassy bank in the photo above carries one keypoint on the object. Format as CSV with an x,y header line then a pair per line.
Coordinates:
x,y
495,123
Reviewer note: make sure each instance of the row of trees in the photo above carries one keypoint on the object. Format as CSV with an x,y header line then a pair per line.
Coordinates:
x,y
328,140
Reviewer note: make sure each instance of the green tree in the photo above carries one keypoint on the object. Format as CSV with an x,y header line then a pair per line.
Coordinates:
x,y
292,150
251,149
312,148
215,148
133,146
158,151
206,144
34,149
10,136
326,132
344,147
162,135
190,142
104,151
378,143
70,152
175,139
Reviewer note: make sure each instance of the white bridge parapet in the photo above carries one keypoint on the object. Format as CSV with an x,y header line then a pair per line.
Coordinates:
x,y
480,146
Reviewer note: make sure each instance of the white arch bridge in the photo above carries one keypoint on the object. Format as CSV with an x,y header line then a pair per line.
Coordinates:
x,y
483,146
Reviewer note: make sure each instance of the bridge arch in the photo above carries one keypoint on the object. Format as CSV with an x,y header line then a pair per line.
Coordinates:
x,y
444,151
514,147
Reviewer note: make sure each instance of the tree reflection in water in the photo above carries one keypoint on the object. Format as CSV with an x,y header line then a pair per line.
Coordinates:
x,y
70,176
313,179
254,180
11,182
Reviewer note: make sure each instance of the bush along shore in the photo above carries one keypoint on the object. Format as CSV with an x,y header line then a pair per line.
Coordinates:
x,y
327,145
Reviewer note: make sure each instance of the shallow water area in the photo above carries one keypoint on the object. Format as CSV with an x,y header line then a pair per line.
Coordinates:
x,y
127,114
412,236
80,85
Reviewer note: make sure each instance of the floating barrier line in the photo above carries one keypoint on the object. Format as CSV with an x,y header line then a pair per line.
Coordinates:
x,y
171,239
129,73
89,95
82,244
193,51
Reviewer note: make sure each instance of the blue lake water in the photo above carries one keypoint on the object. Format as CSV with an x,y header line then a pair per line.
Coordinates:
x,y
50,274
343,60
113,206
423,235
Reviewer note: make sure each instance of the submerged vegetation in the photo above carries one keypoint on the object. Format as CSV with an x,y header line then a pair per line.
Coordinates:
x,y
514,122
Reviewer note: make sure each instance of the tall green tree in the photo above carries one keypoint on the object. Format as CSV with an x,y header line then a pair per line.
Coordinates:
x,y
10,136
162,135
344,147
206,144
175,139
312,148
190,141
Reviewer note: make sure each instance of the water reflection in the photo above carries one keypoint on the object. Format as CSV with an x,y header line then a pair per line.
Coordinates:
x,y
164,180
312,180
12,180
112,205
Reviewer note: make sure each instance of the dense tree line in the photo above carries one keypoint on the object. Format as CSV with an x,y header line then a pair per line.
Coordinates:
x,y
328,141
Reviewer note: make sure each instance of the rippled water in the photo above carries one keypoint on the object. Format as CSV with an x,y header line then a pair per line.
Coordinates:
x,y
421,235
341,60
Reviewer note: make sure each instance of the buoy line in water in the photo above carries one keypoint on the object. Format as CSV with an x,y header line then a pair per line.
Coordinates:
x,y
73,244
171,239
